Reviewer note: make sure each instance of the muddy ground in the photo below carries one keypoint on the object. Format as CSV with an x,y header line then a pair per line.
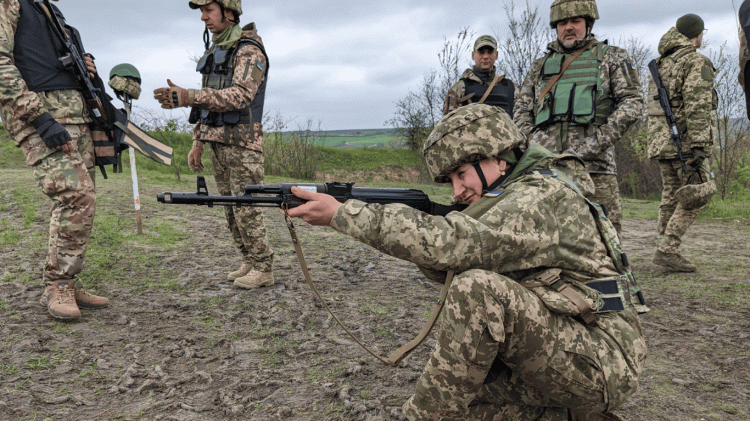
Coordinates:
x,y
196,348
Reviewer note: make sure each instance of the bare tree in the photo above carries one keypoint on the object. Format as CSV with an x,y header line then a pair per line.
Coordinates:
x,y
451,57
522,40
732,127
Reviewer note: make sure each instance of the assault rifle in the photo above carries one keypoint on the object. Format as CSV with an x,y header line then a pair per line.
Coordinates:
x,y
281,196
74,61
667,107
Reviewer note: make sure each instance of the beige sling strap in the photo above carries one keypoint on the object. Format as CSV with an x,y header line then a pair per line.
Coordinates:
x,y
497,79
551,83
396,356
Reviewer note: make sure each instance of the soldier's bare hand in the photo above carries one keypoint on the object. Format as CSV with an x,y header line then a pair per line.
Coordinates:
x,y
90,64
318,210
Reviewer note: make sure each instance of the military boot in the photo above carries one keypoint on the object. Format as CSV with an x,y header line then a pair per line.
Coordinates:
x,y
254,279
242,271
673,261
59,298
84,299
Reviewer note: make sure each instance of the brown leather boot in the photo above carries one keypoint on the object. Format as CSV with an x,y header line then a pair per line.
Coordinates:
x,y
60,301
254,279
84,299
239,273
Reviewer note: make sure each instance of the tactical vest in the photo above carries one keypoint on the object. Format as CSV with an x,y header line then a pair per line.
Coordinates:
x,y
577,97
501,95
37,51
217,68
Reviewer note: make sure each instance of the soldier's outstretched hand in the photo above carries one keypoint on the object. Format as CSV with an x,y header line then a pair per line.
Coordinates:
x,y
318,210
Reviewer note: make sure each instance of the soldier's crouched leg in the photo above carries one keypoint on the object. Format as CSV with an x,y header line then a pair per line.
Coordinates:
x,y
552,360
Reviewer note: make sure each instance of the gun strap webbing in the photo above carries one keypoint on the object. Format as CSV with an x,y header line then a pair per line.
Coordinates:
x,y
497,79
551,83
396,356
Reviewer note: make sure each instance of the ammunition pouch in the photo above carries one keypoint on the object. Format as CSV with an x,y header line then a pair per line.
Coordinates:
x,y
109,144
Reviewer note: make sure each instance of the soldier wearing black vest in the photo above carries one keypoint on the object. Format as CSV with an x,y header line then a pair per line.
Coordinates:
x,y
228,113
45,113
481,84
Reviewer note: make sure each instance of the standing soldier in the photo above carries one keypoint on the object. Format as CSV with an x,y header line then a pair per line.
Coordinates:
x,y
688,77
481,84
228,113
581,97
744,77
44,111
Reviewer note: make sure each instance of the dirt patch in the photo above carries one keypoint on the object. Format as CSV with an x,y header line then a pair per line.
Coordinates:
x,y
196,348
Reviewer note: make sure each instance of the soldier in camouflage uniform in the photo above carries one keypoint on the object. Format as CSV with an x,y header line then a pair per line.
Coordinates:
x,y
45,114
744,76
590,106
472,87
688,77
228,111
527,252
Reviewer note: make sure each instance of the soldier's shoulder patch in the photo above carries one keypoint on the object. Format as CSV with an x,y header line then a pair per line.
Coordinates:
x,y
258,70
707,73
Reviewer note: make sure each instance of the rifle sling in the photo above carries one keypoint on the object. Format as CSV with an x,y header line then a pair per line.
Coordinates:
x,y
396,356
497,79
551,83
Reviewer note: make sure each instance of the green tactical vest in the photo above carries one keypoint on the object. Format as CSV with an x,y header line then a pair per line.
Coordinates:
x,y
577,98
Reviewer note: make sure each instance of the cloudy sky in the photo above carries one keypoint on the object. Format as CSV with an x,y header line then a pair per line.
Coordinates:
x,y
342,63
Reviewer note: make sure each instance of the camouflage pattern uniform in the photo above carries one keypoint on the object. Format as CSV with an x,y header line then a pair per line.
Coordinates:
x,y
688,77
67,179
594,143
237,152
506,351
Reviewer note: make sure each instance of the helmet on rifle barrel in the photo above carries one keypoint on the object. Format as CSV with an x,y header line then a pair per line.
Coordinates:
x,y
470,134
233,5
125,78
566,9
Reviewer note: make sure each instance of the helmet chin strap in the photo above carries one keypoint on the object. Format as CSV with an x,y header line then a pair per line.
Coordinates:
x,y
480,173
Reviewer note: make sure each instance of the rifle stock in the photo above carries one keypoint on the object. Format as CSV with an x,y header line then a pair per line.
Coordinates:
x,y
281,196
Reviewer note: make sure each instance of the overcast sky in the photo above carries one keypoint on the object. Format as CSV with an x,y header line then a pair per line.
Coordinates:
x,y
342,63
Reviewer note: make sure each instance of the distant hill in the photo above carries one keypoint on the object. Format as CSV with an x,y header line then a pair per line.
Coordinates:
x,y
359,138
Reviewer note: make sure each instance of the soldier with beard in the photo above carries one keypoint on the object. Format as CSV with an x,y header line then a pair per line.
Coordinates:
x,y
581,97
228,113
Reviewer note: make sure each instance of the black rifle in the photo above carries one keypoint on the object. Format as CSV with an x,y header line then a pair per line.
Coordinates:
x,y
281,196
663,98
73,60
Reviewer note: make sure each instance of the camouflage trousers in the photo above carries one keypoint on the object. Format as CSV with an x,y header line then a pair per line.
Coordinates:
x,y
608,194
501,354
674,219
67,179
234,167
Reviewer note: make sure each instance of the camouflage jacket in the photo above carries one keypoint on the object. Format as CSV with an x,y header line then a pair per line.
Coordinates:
x,y
19,105
458,90
594,144
245,83
688,77
535,224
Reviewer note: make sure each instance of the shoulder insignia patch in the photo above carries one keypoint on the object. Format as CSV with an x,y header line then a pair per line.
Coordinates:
x,y
707,74
258,71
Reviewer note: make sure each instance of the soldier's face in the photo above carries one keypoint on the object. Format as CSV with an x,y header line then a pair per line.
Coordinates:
x,y
467,186
212,18
570,30
484,58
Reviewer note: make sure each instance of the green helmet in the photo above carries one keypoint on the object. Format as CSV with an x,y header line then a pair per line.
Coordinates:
x,y
125,70
125,79
566,9
233,5
468,134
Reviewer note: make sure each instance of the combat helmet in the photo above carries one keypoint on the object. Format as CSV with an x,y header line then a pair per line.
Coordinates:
x,y
470,134
233,5
566,9
125,79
